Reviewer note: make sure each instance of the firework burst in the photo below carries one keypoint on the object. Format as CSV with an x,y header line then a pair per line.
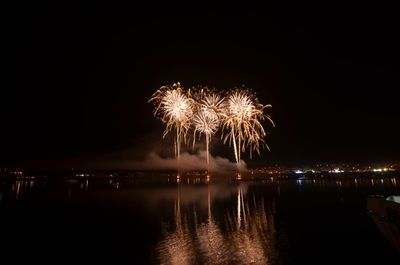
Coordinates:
x,y
175,109
207,117
241,123
237,113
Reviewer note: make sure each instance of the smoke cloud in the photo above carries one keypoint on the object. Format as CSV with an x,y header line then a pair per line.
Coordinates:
x,y
153,161
188,162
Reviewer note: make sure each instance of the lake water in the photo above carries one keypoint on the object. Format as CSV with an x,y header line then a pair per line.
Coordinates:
x,y
193,221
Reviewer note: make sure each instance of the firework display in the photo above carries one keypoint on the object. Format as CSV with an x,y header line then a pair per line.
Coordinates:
x,y
175,110
237,113
241,122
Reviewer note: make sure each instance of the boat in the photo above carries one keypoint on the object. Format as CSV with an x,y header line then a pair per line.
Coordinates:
x,y
385,212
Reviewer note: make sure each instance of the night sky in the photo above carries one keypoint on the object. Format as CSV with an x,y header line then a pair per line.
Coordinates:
x,y
75,79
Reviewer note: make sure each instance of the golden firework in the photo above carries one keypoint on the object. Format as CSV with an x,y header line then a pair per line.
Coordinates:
x,y
175,110
237,113
242,122
208,108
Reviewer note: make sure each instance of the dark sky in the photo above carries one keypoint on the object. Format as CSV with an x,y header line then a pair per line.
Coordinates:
x,y
75,79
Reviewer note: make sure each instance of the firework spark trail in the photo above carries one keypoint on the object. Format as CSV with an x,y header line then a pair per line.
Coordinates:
x,y
241,123
206,125
174,108
238,114
207,117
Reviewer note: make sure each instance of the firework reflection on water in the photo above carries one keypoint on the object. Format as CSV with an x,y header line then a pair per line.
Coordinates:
x,y
245,235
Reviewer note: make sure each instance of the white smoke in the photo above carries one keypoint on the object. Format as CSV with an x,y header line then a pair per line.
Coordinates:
x,y
151,162
188,162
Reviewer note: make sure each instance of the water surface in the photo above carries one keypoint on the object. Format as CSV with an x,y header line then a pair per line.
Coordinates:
x,y
193,221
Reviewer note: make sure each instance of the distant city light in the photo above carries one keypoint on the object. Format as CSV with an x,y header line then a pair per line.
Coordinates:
x,y
82,175
336,170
